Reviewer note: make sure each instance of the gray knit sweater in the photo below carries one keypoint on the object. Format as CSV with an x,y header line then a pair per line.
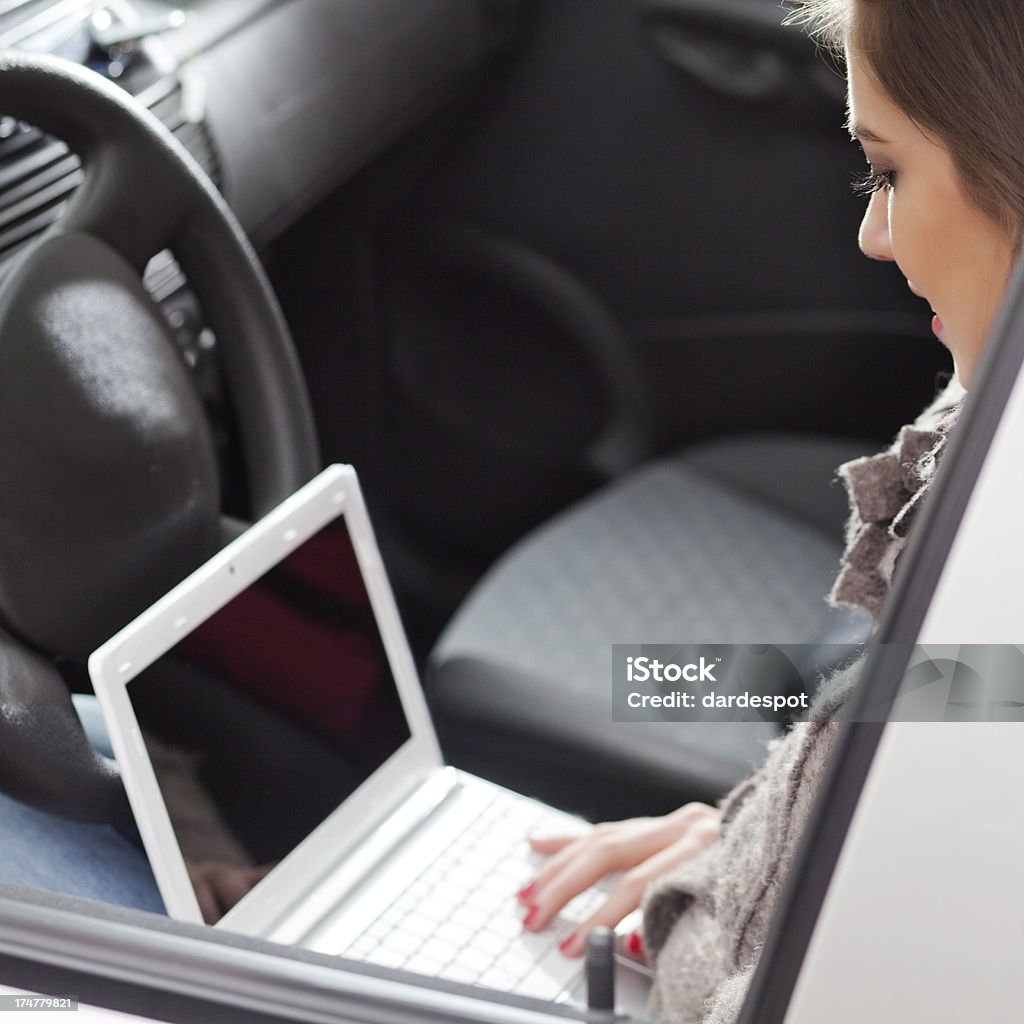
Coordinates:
x,y
705,922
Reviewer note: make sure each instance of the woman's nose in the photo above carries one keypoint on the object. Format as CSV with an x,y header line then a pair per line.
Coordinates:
x,y
874,239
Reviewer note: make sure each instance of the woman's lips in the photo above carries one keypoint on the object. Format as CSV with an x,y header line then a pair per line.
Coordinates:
x,y
936,322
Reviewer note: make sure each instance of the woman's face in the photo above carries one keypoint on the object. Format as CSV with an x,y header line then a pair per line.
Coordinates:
x,y
951,254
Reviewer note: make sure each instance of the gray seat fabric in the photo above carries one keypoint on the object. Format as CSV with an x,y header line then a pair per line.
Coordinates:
x,y
735,541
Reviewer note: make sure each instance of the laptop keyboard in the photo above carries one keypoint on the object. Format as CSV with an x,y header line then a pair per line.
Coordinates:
x,y
460,919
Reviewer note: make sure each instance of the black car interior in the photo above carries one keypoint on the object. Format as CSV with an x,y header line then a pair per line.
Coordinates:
x,y
572,283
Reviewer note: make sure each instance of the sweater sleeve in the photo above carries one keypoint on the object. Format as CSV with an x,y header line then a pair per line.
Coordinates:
x,y
725,1005
706,921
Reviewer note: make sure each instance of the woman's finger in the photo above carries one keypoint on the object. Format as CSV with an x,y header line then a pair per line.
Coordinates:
x,y
621,902
551,867
552,844
587,867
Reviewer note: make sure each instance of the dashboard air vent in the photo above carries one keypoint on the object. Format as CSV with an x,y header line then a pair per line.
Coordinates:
x,y
38,174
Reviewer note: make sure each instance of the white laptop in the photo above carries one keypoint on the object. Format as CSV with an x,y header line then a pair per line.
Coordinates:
x,y
276,682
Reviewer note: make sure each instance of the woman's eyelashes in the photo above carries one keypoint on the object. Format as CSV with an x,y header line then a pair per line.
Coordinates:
x,y
872,181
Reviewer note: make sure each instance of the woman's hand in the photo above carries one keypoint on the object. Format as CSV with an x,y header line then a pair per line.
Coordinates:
x,y
641,848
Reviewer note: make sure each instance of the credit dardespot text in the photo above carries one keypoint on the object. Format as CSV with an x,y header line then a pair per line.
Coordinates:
x,y
686,701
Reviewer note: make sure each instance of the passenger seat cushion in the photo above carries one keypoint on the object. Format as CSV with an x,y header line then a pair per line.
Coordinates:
x,y
737,541
795,474
687,549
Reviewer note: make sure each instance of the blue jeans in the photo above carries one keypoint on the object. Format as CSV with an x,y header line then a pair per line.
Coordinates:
x,y
93,861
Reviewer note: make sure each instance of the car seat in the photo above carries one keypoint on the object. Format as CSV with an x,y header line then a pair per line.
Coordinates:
x,y
732,541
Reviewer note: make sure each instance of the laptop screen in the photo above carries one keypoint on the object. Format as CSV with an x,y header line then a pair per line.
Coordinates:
x,y
267,716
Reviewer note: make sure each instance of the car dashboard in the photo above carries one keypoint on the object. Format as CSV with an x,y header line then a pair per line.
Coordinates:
x,y
278,100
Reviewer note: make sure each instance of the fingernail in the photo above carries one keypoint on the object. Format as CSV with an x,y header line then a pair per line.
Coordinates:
x,y
567,942
527,891
531,916
635,944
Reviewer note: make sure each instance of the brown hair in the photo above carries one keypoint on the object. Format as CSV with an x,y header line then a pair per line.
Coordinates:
x,y
957,69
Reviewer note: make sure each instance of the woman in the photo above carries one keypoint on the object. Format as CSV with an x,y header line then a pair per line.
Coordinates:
x,y
936,101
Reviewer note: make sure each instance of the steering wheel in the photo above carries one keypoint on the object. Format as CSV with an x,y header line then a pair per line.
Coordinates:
x,y
108,475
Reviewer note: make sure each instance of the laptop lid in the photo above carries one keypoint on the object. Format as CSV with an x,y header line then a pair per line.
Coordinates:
x,y
279,676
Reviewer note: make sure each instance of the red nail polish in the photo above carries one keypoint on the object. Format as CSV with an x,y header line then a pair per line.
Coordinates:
x,y
635,944
531,916
567,942
527,891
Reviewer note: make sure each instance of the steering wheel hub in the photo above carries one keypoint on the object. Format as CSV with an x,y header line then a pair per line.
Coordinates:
x,y
107,465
